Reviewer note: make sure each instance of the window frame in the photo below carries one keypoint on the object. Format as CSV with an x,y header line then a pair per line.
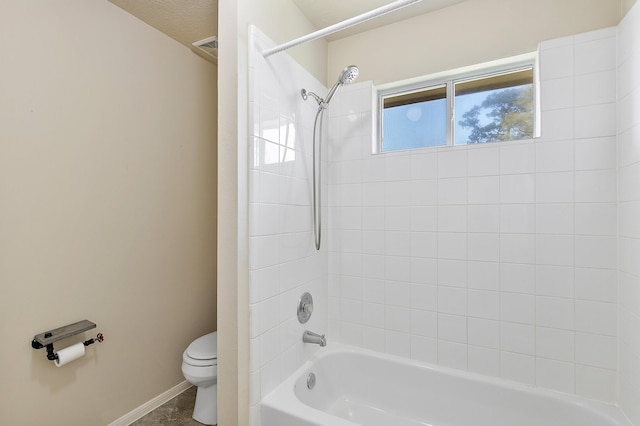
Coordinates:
x,y
449,79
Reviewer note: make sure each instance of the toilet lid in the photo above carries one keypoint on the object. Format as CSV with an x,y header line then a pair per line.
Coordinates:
x,y
204,348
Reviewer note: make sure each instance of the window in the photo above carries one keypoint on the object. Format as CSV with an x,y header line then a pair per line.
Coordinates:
x,y
463,108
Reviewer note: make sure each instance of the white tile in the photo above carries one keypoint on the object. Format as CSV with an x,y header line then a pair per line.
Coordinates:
x,y
452,354
596,351
483,161
424,297
516,158
557,375
483,275
397,294
452,273
372,242
452,328
351,334
351,311
397,168
424,271
424,192
424,349
483,247
556,62
518,367
395,194
373,218
555,344
595,55
397,218
555,281
595,88
596,383
519,308
483,304
484,190
517,248
270,377
452,246
596,284
556,156
452,191
555,219
452,163
484,361
517,188
269,345
517,218
557,124
483,218
595,121
517,278
517,338
596,219
424,244
595,153
556,93
397,319
372,266
483,332
373,315
555,250
397,243
596,252
452,300
373,290
424,323
599,186
555,312
452,218
424,166
425,218
554,187
397,268
596,317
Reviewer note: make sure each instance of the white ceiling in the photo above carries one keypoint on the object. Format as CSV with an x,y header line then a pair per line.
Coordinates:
x,y
194,20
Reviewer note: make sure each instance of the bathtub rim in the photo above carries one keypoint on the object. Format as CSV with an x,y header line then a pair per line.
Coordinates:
x,y
284,399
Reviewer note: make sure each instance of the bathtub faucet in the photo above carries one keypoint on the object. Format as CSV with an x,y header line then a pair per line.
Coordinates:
x,y
311,337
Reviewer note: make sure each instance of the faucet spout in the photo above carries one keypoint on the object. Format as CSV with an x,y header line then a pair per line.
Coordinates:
x,y
311,337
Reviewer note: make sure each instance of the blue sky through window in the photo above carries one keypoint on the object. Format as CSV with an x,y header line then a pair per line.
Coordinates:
x,y
415,125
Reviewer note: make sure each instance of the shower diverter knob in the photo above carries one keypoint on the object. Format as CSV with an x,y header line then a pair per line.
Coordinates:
x,y
305,308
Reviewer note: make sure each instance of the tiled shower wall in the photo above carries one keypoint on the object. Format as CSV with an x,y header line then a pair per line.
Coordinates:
x,y
497,258
629,211
283,262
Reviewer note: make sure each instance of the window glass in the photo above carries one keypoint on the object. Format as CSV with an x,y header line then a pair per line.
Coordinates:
x,y
494,108
415,120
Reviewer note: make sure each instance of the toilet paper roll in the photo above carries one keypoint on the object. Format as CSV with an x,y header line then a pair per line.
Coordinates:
x,y
68,354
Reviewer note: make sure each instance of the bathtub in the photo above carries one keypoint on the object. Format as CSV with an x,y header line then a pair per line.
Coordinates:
x,y
358,387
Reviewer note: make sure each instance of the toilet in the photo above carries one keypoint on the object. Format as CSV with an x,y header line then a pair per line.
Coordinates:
x,y
200,368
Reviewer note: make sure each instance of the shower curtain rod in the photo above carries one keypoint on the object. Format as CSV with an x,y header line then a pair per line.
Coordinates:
x,y
340,26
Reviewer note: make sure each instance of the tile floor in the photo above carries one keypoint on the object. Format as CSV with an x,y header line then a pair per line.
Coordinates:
x,y
176,412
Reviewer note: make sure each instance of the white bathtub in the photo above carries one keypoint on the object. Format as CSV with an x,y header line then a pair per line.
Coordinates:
x,y
359,387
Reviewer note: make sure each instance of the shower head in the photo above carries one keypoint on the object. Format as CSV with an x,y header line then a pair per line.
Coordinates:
x,y
347,76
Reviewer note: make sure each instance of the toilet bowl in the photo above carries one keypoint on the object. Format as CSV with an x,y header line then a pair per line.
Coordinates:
x,y
200,368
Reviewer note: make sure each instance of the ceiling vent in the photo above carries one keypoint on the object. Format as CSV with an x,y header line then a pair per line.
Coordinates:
x,y
207,48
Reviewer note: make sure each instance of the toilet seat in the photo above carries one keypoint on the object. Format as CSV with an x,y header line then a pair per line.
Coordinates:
x,y
202,352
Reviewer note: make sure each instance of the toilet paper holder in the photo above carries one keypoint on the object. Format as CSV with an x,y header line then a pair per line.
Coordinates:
x,y
48,338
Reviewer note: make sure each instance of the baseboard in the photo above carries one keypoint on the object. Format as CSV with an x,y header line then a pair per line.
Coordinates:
x,y
149,406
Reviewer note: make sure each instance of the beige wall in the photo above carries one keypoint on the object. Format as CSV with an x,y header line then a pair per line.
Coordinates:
x,y
281,21
468,33
107,207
